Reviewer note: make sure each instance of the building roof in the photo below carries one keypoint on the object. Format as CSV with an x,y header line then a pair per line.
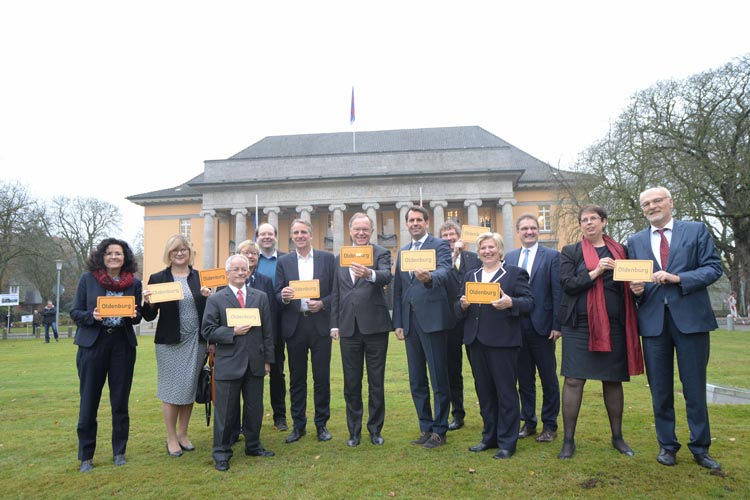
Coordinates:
x,y
183,192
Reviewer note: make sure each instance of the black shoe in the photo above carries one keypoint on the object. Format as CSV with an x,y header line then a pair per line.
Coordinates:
x,y
620,445
705,460
667,457
86,466
222,465
353,441
295,435
436,440
480,447
526,431
377,439
174,454
456,424
323,434
120,459
261,452
503,454
568,448
280,424
187,448
422,439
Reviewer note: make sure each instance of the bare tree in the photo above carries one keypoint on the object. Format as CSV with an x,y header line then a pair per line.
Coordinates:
x,y
692,136
82,222
19,212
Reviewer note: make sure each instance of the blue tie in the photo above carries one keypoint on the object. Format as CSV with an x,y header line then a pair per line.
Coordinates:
x,y
525,259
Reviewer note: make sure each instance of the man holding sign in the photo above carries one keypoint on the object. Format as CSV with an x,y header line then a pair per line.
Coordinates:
x,y
305,317
421,317
674,314
360,319
244,353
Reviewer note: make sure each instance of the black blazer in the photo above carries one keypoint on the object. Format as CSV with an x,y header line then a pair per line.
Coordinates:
x,y
286,271
168,326
493,327
84,304
455,282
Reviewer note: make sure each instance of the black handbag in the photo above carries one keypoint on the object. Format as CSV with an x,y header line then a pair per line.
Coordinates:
x,y
203,393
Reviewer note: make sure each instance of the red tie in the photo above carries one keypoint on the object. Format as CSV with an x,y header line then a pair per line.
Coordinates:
x,y
663,249
240,299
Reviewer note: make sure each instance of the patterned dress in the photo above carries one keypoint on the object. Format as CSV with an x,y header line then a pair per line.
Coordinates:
x,y
178,364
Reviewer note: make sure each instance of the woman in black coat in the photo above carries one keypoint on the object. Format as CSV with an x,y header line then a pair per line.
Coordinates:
x,y
492,334
180,349
106,346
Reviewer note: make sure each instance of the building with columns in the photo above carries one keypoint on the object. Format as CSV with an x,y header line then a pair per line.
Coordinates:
x,y
462,173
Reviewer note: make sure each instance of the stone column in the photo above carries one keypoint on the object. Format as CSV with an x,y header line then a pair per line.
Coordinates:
x,y
404,236
473,217
508,222
208,238
338,226
273,216
240,225
304,212
371,208
438,215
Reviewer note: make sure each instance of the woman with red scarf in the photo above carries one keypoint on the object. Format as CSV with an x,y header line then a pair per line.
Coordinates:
x,y
106,346
599,327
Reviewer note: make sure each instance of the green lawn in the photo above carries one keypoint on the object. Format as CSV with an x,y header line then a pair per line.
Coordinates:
x,y
39,408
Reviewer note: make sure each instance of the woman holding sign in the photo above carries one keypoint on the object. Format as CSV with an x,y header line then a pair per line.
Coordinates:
x,y
599,327
105,308
497,296
179,300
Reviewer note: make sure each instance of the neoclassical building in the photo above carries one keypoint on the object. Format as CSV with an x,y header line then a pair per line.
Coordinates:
x,y
462,173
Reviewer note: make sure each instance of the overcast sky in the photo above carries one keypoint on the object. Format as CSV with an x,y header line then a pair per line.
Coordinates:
x,y
111,99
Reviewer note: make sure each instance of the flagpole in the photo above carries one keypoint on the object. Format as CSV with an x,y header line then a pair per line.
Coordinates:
x,y
256,217
351,122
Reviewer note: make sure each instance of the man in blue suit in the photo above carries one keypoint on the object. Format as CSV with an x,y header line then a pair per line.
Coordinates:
x,y
539,330
421,316
675,314
305,328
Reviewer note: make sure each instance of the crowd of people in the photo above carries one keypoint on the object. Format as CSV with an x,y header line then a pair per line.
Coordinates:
x,y
609,328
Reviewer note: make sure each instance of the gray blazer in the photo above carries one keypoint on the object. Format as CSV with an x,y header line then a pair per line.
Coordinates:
x,y
237,354
363,301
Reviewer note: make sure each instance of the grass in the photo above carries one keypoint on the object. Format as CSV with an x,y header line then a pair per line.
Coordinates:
x,y
39,409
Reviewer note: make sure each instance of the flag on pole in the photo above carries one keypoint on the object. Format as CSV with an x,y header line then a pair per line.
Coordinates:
x,y
351,117
256,218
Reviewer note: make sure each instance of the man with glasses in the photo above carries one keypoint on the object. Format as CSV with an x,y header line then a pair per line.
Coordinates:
x,y
361,321
675,315
244,355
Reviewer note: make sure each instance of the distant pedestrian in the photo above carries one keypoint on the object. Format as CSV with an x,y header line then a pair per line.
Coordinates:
x,y
36,321
50,320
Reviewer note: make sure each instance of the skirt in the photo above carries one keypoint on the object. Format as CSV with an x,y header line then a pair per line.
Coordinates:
x,y
579,362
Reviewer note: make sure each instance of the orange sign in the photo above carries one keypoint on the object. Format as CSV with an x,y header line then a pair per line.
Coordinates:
x,y
237,316
165,292
359,255
633,270
482,293
213,277
411,260
116,306
305,289
470,233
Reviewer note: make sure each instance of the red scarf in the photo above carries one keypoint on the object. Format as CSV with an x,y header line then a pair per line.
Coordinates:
x,y
599,338
126,280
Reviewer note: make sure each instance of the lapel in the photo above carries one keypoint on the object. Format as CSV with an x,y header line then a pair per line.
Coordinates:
x,y
515,257
538,260
495,278
678,235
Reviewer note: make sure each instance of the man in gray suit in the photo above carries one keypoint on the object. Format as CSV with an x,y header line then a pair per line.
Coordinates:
x,y
243,357
360,320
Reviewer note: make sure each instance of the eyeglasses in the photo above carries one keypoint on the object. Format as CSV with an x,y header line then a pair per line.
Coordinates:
x,y
354,230
248,252
180,251
238,270
593,218
655,201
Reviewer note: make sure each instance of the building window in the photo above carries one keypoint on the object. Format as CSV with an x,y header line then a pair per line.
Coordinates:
x,y
453,214
485,217
185,228
545,218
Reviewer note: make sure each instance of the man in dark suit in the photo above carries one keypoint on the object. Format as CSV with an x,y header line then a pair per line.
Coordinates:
x,y
305,327
421,317
267,239
540,330
675,315
463,261
361,321
243,357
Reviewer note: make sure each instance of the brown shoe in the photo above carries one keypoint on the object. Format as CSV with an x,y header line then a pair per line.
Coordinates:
x,y
526,432
422,439
547,436
435,441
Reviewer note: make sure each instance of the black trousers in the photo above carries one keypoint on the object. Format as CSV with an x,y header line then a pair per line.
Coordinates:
x,y
226,413
538,353
277,381
355,352
110,359
455,337
306,340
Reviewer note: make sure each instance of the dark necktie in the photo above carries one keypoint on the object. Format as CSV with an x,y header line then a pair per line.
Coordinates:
x,y
663,249
525,260
240,298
